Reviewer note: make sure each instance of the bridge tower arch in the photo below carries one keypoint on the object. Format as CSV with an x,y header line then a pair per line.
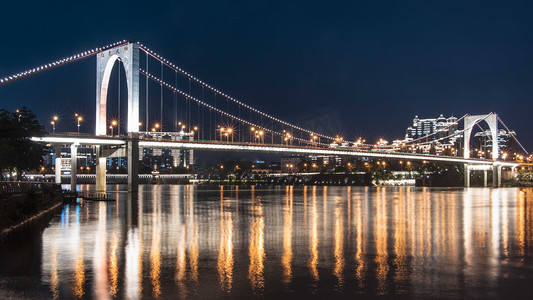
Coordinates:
x,y
129,55
492,121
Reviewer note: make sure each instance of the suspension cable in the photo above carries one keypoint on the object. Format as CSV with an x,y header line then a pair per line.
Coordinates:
x,y
219,111
216,91
146,96
58,63
513,135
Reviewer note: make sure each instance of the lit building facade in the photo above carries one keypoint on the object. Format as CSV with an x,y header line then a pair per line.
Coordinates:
x,y
435,135
167,158
439,128
483,142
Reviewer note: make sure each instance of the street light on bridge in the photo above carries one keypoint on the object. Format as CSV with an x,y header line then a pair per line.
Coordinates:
x,y
194,131
222,129
113,124
53,122
252,133
261,135
79,119
229,132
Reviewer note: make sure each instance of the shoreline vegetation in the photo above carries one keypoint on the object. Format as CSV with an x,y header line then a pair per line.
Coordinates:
x,y
22,203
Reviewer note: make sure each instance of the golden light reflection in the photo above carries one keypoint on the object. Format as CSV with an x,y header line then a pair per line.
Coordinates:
x,y
225,252
325,213
349,209
360,242
400,261
113,266
257,247
339,247
380,225
313,244
79,274
505,230
100,258
521,223
155,251
305,205
181,241
141,248
236,198
192,228
181,262
54,279
286,258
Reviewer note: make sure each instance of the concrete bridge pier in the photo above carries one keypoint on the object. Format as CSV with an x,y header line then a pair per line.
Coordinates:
x,y
133,163
57,164
485,178
101,164
496,176
73,166
467,175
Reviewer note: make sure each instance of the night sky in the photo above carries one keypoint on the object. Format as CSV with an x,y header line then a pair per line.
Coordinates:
x,y
374,64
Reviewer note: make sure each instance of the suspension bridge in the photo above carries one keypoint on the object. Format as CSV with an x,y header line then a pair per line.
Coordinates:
x,y
191,114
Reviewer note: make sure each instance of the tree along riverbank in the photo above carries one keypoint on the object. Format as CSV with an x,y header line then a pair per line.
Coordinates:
x,y
22,203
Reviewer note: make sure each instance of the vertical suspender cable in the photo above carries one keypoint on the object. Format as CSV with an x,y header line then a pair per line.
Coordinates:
x,y
202,128
161,85
189,108
210,126
118,121
146,100
227,110
216,124
175,101
198,120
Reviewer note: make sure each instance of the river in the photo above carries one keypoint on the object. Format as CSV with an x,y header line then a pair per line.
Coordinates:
x,y
209,242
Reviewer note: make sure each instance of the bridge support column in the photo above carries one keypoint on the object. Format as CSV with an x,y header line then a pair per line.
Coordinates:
x,y
101,164
485,178
496,176
73,166
58,164
133,164
467,176
499,176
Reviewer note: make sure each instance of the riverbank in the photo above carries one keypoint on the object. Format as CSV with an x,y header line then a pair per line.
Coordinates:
x,y
25,203
300,179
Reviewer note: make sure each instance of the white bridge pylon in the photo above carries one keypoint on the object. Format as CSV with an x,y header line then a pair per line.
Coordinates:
x,y
128,54
492,120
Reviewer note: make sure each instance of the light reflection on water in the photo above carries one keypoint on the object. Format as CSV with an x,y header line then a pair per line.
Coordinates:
x,y
192,241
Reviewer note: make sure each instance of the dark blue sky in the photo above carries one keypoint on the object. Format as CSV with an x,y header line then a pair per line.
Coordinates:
x,y
375,64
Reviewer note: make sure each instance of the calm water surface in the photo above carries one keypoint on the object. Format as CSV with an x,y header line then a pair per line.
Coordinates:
x,y
184,241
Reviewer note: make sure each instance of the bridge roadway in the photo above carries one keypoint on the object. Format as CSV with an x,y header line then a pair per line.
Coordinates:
x,y
74,141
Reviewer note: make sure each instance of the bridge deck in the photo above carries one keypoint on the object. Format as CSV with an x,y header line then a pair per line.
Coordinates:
x,y
269,148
